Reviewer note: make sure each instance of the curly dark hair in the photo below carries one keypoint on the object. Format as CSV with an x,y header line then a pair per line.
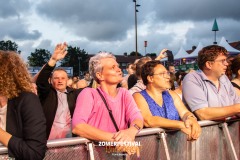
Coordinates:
x,y
210,53
148,70
235,65
14,76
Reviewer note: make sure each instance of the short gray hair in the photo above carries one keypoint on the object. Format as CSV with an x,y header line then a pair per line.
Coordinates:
x,y
95,63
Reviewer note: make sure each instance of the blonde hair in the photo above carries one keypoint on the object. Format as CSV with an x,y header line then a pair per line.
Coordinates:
x,y
14,76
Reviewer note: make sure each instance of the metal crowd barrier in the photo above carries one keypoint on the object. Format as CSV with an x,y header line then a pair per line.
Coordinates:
x,y
218,141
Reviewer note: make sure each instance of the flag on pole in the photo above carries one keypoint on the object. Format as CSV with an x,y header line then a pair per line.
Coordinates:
x,y
145,43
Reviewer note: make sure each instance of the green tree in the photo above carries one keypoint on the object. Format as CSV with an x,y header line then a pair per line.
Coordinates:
x,y
75,57
39,57
8,46
133,53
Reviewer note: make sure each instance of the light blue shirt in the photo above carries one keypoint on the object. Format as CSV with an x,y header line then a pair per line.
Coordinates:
x,y
199,92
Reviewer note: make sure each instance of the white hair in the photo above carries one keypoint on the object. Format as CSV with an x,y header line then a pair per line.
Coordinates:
x,y
95,63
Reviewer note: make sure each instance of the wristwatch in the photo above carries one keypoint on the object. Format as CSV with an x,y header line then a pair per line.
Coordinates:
x,y
137,127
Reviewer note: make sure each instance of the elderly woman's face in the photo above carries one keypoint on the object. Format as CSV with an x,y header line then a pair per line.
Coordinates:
x,y
161,77
111,73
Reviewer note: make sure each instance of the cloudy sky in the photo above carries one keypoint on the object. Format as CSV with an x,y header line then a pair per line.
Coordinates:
x,y
108,25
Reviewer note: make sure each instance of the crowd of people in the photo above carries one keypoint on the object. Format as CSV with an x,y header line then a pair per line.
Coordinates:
x,y
105,106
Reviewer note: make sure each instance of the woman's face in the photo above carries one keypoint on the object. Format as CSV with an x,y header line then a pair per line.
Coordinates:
x,y
111,73
161,77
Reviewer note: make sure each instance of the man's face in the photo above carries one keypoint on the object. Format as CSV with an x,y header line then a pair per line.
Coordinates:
x,y
130,70
75,79
171,69
87,77
59,80
219,65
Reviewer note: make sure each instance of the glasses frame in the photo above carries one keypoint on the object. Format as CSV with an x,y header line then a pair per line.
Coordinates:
x,y
163,73
223,61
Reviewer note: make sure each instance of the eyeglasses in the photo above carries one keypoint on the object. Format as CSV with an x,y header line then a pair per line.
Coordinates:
x,y
165,74
223,61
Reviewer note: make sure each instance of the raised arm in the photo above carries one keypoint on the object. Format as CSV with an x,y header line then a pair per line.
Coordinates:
x,y
161,54
42,78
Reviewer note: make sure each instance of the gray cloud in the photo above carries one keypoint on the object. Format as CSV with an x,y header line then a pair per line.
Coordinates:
x,y
195,10
92,19
17,29
110,20
26,49
108,25
13,8
46,44
29,47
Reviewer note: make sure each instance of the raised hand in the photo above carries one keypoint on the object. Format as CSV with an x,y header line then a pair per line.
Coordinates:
x,y
60,51
58,54
161,54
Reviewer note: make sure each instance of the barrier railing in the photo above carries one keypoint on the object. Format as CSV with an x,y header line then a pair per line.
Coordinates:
x,y
219,140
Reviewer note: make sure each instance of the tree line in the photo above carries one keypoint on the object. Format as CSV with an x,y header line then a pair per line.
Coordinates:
x,y
76,57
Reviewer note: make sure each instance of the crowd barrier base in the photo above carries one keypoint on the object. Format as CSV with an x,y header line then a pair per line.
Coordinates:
x,y
218,141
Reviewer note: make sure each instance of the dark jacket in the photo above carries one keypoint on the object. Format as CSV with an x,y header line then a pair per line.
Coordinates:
x,y
48,96
27,125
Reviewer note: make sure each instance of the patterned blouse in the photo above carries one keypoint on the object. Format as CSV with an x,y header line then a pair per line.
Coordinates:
x,y
167,110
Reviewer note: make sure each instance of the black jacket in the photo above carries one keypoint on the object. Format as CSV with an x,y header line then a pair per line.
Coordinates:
x,y
48,96
27,125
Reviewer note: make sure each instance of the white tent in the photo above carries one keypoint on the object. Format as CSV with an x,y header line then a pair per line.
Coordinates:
x,y
181,54
226,45
195,52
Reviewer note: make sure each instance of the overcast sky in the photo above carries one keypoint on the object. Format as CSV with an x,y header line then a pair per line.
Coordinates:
x,y
108,25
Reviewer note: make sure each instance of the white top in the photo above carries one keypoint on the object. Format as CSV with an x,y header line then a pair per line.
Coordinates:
x,y
3,117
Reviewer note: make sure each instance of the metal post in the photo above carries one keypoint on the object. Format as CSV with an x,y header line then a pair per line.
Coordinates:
x,y
135,1
79,58
90,149
215,37
195,150
163,137
229,141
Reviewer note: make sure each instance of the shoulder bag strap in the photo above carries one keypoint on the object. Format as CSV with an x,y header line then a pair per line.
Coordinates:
x,y
109,111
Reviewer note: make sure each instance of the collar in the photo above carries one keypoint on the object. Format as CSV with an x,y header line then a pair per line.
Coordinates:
x,y
222,79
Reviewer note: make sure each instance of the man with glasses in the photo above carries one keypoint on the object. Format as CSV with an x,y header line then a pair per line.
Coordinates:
x,y
208,92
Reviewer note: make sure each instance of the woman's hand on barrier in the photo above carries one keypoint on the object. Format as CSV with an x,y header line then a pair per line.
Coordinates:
x,y
195,127
187,131
127,135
